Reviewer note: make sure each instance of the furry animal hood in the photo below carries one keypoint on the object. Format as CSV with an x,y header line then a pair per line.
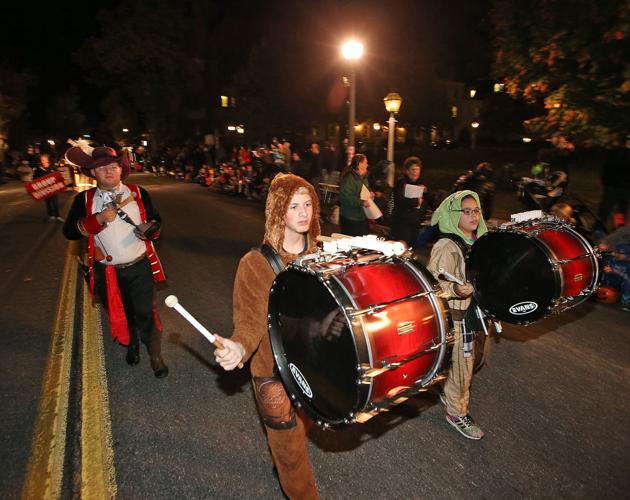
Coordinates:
x,y
282,189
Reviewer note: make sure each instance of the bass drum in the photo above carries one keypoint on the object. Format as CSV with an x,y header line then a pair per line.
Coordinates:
x,y
351,339
528,270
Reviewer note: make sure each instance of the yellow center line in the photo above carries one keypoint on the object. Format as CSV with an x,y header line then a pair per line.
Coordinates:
x,y
44,474
98,475
45,468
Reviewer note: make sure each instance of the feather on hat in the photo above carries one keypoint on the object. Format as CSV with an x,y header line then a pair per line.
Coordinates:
x,y
88,158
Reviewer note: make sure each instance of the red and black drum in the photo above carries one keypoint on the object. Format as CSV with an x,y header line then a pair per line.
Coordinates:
x,y
352,337
525,271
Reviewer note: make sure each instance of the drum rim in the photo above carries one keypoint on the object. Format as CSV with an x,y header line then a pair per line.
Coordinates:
x,y
547,253
362,393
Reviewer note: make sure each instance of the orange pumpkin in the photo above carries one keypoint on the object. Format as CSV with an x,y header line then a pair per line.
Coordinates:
x,y
607,294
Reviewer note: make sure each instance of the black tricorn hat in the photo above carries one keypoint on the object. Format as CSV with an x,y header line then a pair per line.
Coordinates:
x,y
88,158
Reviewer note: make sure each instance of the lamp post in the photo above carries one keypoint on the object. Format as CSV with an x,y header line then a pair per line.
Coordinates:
x,y
352,51
393,101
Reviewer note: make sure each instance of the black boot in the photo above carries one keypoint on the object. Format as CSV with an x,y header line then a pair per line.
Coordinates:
x,y
160,370
133,353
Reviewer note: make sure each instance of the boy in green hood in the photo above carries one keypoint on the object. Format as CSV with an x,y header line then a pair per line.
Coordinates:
x,y
460,221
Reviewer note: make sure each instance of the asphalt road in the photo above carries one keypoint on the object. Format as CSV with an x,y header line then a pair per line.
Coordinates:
x,y
553,398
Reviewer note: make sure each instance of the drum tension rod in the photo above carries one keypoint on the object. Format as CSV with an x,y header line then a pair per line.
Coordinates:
x,y
583,256
392,365
377,307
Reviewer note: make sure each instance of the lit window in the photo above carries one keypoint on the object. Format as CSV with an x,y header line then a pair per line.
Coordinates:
x,y
454,111
473,93
233,102
225,101
498,87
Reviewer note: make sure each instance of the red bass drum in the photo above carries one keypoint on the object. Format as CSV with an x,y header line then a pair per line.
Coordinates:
x,y
350,338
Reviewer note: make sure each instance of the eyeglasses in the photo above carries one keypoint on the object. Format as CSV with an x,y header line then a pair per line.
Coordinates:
x,y
110,168
469,211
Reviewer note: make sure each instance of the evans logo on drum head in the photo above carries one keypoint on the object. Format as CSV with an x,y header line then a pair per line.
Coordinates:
x,y
300,380
523,308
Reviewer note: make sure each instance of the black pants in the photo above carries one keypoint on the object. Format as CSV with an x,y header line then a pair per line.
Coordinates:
x,y
52,206
137,292
354,227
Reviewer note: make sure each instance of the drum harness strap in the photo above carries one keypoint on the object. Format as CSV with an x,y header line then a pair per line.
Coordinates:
x,y
274,405
272,257
473,318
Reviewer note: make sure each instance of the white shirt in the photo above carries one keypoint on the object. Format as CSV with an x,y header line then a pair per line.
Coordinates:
x,y
118,239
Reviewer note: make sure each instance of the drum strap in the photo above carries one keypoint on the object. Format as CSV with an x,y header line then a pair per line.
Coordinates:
x,y
459,241
272,257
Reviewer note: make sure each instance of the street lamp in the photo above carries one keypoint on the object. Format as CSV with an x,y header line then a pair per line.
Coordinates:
x,y
352,51
473,136
393,101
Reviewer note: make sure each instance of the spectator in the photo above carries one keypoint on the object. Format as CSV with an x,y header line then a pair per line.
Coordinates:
x,y
560,156
353,220
409,211
314,165
615,178
480,181
617,272
52,202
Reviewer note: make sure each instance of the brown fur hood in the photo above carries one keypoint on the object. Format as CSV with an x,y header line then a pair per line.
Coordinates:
x,y
282,189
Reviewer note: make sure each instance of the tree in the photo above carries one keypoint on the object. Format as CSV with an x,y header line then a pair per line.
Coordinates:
x,y
571,57
63,116
14,88
143,57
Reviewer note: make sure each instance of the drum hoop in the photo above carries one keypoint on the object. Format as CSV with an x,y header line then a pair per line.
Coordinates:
x,y
547,253
443,312
363,392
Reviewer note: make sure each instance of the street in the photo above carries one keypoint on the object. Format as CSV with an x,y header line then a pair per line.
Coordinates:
x,y
553,399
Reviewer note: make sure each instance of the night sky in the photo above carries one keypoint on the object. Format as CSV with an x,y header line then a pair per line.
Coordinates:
x,y
452,36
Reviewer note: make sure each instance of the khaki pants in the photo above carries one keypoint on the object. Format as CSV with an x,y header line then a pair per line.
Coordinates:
x,y
457,385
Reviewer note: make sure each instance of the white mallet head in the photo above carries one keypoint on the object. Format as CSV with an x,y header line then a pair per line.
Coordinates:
x,y
171,301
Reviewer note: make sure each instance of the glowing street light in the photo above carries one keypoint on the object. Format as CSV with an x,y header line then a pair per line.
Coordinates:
x,y
473,136
392,101
352,51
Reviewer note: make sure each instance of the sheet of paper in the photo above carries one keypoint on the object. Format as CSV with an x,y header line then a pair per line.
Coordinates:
x,y
414,191
372,211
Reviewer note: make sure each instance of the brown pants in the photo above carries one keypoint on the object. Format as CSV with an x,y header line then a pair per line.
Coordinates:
x,y
286,438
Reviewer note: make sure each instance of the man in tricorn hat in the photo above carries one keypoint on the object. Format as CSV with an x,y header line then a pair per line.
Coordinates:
x,y
120,224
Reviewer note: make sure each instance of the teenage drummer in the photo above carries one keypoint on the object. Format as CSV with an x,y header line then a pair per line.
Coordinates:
x,y
460,221
291,229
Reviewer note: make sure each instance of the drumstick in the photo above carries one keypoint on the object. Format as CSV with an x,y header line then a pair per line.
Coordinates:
x,y
127,201
449,276
172,301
